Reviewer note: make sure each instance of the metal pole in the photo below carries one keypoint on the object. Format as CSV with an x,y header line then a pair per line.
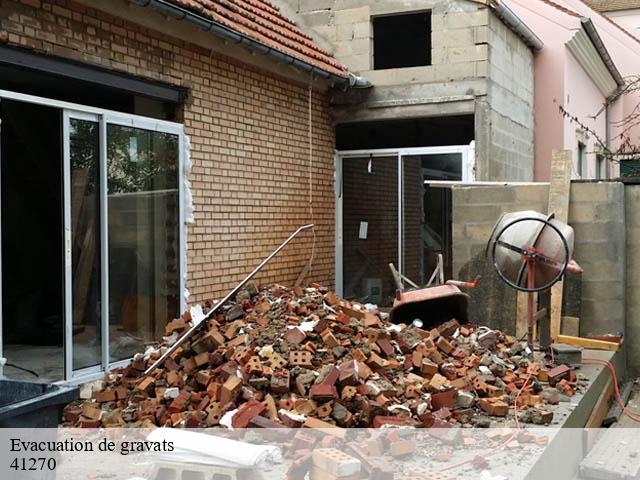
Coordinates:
x,y
215,308
531,279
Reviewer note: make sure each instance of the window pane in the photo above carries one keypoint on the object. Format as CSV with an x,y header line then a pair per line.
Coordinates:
x,y
84,150
370,228
143,236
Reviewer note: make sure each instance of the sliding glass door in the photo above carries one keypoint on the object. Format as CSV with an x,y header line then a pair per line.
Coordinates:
x,y
386,212
143,211
123,236
83,267
370,227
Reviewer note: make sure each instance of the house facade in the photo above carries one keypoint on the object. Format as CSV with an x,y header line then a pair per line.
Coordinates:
x,y
451,101
580,110
152,150
443,73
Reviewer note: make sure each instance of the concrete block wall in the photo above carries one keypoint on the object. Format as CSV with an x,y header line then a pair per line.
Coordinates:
x,y
597,214
459,36
459,55
479,67
510,101
475,211
632,217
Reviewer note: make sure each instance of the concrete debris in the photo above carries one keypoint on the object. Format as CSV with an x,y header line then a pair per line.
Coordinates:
x,y
299,357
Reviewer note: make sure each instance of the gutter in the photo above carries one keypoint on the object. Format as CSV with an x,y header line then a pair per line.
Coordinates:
x,y
595,38
512,21
166,8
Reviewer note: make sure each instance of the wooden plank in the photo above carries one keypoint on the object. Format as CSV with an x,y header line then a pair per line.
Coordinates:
x,y
559,190
79,182
588,343
594,423
601,408
521,315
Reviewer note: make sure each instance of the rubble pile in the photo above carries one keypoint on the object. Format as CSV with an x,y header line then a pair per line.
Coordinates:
x,y
305,358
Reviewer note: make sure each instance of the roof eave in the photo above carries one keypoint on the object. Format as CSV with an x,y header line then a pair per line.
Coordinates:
x,y
594,36
511,20
177,12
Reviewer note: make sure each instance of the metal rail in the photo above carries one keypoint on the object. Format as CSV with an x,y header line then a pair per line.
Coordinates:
x,y
215,308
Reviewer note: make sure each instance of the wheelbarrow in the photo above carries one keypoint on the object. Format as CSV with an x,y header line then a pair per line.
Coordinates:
x,y
429,307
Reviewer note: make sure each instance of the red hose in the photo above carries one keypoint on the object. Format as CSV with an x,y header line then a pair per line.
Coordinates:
x,y
635,416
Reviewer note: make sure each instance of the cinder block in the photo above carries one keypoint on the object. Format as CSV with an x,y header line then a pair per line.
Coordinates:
x,y
335,462
344,32
466,19
453,38
362,30
350,16
314,5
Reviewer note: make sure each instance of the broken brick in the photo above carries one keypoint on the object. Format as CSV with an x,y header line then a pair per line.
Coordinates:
x,y
230,390
246,412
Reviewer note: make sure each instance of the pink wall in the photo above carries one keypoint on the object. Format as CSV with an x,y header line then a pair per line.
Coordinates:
x,y
560,78
625,52
583,99
627,19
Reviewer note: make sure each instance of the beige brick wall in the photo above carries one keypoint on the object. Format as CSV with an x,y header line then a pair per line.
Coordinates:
x,y
248,131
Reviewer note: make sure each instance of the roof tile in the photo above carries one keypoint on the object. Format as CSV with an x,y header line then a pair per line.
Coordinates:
x,y
613,5
264,23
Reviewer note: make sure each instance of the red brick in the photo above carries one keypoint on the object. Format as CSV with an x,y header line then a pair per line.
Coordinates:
x,y
246,412
230,389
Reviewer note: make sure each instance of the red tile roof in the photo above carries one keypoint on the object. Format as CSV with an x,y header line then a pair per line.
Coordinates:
x,y
613,5
263,22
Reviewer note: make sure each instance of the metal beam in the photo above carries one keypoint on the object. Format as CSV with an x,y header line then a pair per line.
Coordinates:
x,y
48,64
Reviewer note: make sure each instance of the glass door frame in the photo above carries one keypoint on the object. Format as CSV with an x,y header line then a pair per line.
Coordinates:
x,y
102,117
468,175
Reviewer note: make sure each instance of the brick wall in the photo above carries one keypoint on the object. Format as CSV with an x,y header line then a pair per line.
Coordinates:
x,y
248,131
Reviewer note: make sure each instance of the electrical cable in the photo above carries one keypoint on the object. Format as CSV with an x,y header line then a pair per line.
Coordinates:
x,y
508,440
311,213
633,415
22,368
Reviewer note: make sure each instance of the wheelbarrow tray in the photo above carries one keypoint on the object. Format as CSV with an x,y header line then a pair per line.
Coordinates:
x,y
432,305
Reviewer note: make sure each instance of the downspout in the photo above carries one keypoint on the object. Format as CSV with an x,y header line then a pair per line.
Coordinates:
x,y
179,13
607,134
505,14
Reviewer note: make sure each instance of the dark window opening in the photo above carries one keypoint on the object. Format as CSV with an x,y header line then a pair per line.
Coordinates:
x,y
32,240
415,132
582,153
402,41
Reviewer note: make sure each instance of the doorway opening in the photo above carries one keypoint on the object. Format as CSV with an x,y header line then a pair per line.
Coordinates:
x,y
92,231
388,212
32,240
